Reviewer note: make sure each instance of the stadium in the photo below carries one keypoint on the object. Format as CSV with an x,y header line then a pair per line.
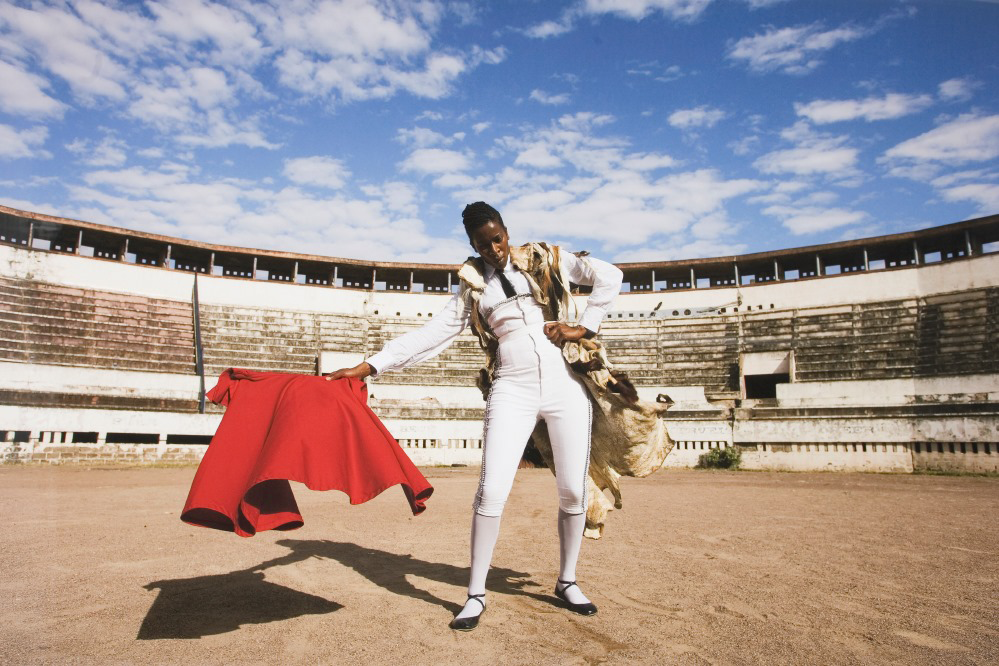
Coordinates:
x,y
879,354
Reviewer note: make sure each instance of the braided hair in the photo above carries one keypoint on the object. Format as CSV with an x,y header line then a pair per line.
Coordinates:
x,y
479,214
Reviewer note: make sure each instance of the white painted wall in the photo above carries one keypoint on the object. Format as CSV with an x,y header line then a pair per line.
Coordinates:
x,y
97,381
886,392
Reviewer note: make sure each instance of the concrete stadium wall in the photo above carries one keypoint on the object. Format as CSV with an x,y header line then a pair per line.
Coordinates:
x,y
886,424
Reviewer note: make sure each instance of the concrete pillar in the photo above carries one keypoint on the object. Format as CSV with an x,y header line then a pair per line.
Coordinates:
x,y
124,250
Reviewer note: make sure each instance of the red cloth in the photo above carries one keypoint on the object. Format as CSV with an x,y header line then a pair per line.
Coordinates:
x,y
279,427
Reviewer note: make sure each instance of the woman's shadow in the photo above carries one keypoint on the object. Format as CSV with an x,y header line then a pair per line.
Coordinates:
x,y
207,605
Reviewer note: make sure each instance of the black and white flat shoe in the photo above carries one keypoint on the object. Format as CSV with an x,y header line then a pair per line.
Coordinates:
x,y
469,623
582,609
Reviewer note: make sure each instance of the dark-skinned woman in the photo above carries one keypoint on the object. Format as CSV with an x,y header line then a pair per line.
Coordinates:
x,y
530,381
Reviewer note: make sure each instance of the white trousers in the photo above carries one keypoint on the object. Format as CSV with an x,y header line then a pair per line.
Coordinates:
x,y
533,382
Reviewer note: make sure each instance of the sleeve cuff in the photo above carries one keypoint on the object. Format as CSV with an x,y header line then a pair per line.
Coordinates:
x,y
379,362
592,317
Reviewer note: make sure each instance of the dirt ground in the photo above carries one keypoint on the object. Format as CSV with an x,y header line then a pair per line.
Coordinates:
x,y
698,568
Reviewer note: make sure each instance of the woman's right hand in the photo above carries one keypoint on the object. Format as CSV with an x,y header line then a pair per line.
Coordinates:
x,y
359,371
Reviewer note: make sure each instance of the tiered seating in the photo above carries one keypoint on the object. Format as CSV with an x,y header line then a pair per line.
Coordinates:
x,y
632,347
699,352
867,341
955,335
284,341
943,335
61,325
458,365
270,339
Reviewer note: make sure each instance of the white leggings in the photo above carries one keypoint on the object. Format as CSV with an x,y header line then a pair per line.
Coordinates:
x,y
533,382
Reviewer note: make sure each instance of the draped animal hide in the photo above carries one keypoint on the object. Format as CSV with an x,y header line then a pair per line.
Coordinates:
x,y
628,437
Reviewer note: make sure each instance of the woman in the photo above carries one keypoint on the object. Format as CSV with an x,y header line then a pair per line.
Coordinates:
x,y
530,381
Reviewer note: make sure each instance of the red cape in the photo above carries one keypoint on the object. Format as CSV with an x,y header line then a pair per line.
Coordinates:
x,y
279,427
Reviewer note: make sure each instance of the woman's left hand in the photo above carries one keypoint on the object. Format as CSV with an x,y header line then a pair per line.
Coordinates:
x,y
560,333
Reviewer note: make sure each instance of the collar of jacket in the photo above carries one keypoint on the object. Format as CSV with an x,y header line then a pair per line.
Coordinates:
x,y
531,259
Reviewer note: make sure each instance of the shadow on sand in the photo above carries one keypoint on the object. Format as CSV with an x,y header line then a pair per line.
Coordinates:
x,y
208,605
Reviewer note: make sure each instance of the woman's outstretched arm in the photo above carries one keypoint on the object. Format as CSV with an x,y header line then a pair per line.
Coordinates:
x,y
410,348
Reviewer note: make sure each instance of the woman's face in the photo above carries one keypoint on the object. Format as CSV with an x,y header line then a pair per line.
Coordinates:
x,y
492,242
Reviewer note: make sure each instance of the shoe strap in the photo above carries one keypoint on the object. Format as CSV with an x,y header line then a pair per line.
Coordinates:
x,y
478,597
567,583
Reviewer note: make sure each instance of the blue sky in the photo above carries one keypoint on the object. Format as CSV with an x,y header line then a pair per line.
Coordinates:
x,y
637,129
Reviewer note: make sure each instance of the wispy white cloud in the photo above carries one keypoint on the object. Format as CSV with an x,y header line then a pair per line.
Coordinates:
x,y
319,171
16,143
422,137
794,50
23,94
958,90
178,202
80,57
109,151
542,97
197,106
968,138
681,247
538,155
572,170
985,195
813,153
957,177
635,10
800,220
191,69
230,30
639,9
436,161
551,28
892,105
657,71
647,162
702,116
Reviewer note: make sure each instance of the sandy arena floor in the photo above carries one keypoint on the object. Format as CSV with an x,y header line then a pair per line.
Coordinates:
x,y
699,568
